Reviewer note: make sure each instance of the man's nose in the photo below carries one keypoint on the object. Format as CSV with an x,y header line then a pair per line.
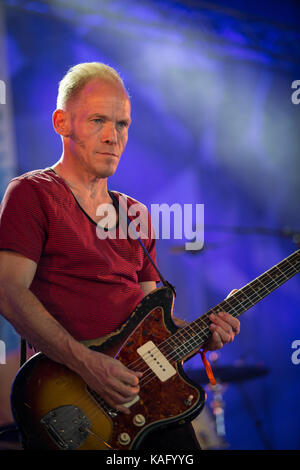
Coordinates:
x,y
109,133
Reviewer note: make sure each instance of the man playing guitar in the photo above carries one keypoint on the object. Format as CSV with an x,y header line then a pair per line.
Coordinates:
x,y
60,284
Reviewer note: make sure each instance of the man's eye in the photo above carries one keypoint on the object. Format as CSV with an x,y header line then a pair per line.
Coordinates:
x,y
98,120
123,124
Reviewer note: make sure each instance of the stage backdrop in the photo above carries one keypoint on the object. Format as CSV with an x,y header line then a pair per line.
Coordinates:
x,y
214,123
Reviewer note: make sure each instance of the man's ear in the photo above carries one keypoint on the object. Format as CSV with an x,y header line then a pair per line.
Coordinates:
x,y
61,122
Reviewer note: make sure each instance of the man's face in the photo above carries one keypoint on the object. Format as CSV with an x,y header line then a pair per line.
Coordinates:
x,y
99,121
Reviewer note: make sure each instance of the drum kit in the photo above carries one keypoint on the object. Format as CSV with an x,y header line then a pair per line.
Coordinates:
x,y
209,426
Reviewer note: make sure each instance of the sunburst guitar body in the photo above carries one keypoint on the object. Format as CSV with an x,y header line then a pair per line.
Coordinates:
x,y
55,409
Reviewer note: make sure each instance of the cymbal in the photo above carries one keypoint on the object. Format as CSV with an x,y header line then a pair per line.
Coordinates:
x,y
228,373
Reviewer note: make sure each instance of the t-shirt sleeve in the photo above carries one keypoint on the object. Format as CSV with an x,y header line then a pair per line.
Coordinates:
x,y
23,221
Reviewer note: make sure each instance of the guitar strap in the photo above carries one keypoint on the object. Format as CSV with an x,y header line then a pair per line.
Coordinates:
x,y
129,222
23,342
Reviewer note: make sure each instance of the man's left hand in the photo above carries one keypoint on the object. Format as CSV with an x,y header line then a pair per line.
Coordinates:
x,y
224,328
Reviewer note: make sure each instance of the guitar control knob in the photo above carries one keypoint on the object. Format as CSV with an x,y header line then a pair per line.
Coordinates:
x,y
139,420
189,400
124,439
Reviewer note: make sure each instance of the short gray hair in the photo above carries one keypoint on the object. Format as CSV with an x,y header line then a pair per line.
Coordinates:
x,y
78,75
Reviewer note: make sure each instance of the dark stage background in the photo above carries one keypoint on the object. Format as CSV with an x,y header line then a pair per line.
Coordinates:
x,y
214,123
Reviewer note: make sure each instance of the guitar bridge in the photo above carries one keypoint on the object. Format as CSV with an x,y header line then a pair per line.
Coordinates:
x,y
67,426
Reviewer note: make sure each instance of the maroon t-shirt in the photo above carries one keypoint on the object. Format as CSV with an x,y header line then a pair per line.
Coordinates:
x,y
90,285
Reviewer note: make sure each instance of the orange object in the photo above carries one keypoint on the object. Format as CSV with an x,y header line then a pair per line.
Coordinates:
x,y
208,368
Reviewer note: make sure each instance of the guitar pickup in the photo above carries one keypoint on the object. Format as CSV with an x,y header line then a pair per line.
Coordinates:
x,y
157,362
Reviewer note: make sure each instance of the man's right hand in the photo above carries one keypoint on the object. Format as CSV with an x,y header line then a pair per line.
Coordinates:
x,y
108,377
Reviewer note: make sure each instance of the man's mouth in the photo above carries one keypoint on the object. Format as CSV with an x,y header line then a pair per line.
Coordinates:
x,y
108,153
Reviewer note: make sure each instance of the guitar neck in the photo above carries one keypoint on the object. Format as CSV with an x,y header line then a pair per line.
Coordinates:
x,y
186,340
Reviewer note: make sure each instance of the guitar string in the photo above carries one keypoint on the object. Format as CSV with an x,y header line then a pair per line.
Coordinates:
x,y
143,383
202,334
248,298
232,308
194,337
140,364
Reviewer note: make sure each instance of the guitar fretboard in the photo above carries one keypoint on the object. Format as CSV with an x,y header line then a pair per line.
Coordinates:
x,y
186,340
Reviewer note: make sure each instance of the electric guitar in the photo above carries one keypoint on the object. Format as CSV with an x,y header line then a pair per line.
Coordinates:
x,y
55,409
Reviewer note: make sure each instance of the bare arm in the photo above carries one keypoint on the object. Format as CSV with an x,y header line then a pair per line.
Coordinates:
x,y
147,286
107,376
